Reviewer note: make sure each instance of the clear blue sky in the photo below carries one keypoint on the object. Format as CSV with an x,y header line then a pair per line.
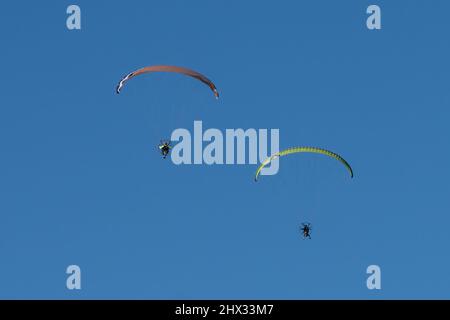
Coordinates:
x,y
81,182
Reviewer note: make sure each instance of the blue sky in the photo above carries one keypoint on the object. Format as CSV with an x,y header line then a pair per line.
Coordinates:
x,y
81,182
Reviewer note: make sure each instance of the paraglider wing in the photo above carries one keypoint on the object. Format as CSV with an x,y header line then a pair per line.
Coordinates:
x,y
181,70
303,149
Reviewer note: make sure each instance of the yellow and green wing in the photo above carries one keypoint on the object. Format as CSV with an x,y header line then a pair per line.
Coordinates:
x,y
303,149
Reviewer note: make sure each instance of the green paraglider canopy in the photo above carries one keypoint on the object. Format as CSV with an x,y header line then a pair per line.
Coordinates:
x,y
303,149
